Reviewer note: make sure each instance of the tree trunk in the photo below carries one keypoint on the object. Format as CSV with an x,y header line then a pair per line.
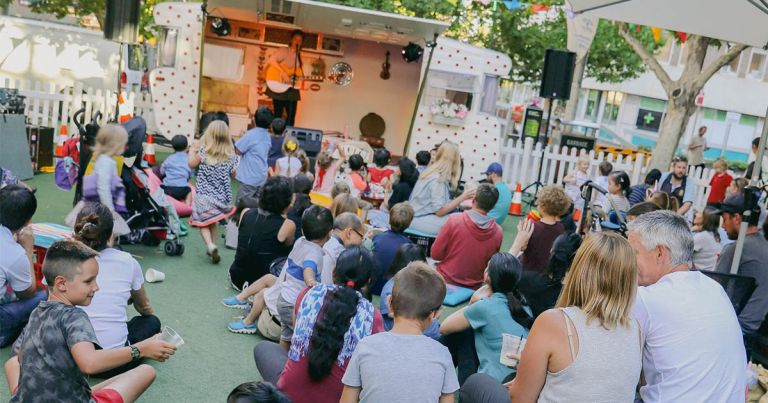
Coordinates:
x,y
676,118
573,101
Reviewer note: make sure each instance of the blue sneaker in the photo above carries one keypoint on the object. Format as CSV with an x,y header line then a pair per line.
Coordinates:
x,y
241,327
233,302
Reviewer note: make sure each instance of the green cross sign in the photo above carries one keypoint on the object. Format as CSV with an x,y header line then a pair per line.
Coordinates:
x,y
648,118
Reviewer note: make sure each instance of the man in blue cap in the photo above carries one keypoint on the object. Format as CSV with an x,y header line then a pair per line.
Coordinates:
x,y
501,209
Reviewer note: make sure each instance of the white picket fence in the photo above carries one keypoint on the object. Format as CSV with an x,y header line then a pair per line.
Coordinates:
x,y
521,160
53,104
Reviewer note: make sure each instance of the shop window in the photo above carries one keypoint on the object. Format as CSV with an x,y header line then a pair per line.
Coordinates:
x,y
446,89
593,101
613,101
714,114
747,120
756,65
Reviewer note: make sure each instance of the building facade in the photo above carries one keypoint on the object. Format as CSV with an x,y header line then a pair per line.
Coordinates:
x,y
732,104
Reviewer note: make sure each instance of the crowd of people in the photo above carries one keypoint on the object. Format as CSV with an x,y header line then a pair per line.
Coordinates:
x,y
604,317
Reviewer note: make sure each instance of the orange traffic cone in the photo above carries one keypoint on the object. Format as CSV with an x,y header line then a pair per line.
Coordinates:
x,y
123,112
149,149
516,208
63,136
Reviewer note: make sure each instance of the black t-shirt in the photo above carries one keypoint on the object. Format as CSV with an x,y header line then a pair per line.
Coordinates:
x,y
539,291
257,246
49,373
275,150
401,192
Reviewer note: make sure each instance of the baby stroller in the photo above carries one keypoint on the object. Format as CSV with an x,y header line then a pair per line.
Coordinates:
x,y
149,222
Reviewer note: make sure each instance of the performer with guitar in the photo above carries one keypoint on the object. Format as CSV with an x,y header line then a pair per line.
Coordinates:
x,y
285,66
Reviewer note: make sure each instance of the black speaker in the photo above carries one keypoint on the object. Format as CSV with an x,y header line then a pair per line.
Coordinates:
x,y
310,140
121,21
558,74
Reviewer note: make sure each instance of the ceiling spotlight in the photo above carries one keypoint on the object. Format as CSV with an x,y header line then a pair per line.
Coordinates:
x,y
412,52
220,26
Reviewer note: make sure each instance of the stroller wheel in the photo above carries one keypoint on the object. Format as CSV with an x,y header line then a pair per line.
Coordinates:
x,y
171,248
179,249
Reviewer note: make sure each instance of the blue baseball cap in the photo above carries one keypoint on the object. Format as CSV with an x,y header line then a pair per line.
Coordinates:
x,y
494,168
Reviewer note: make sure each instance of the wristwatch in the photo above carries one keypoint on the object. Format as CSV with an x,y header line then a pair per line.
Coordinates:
x,y
135,353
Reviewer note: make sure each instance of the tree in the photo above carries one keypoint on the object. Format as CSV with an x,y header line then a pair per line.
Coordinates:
x,y
85,8
682,92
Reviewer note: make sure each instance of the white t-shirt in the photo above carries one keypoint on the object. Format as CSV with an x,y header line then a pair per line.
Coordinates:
x,y
119,274
706,249
333,249
693,349
14,267
288,167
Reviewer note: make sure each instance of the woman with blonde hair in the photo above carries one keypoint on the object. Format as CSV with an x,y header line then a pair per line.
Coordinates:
x,y
431,196
589,348
215,159
103,183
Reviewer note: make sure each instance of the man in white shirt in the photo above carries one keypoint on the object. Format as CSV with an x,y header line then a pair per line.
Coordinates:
x,y
696,148
693,349
18,287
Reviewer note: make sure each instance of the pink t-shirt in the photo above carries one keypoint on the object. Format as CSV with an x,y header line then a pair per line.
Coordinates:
x,y
295,381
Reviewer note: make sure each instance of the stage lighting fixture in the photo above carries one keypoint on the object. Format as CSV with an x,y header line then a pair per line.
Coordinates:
x,y
412,52
220,26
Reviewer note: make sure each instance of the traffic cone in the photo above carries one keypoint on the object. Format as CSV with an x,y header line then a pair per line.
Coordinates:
x,y
124,110
63,136
516,208
149,149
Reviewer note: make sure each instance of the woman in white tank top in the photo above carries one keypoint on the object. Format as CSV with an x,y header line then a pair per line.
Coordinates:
x,y
588,349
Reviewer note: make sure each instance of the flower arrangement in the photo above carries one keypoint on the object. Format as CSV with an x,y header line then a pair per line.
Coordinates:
x,y
448,109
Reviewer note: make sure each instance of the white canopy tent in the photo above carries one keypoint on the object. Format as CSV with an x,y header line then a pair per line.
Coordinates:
x,y
740,21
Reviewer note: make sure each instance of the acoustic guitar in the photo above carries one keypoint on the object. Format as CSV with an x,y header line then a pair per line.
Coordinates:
x,y
277,85
385,75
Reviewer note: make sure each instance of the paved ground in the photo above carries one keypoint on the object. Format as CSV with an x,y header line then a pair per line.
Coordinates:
x,y
213,360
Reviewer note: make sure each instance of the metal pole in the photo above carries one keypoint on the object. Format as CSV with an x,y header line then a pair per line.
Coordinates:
x,y
756,173
431,47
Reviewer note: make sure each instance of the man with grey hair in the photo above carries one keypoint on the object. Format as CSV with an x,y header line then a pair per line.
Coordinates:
x,y
348,230
693,350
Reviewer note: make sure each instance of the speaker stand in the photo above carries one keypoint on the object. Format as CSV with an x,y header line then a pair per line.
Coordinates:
x,y
537,184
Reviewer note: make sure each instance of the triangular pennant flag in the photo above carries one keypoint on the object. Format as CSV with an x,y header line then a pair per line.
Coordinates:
x,y
512,5
569,13
535,8
682,36
656,34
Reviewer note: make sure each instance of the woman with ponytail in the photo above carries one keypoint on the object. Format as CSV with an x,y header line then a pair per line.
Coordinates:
x,y
330,321
494,309
120,280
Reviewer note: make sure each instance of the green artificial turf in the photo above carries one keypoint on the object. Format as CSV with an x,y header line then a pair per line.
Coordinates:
x,y
212,361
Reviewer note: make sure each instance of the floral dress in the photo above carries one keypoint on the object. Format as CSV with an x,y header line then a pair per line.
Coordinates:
x,y
213,201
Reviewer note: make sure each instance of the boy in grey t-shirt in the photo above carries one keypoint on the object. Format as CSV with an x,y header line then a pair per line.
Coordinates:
x,y
403,365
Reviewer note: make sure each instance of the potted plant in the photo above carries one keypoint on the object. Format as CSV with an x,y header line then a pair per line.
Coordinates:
x,y
448,113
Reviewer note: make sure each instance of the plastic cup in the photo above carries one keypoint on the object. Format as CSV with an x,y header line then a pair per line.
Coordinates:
x,y
510,344
170,336
154,276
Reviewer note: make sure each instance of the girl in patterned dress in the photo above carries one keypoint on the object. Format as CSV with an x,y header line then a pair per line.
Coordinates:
x,y
216,162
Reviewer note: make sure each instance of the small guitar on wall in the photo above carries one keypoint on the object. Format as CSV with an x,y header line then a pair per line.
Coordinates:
x,y
276,84
385,69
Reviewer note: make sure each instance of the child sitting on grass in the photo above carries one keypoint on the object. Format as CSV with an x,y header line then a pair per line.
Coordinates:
x,y
357,177
257,392
176,172
386,244
380,173
301,270
60,346
552,203
406,254
403,365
